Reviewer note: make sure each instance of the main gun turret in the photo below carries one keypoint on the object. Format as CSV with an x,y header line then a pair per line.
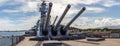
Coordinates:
x,y
47,29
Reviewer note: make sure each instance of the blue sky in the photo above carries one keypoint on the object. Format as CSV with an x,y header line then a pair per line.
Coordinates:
x,y
23,14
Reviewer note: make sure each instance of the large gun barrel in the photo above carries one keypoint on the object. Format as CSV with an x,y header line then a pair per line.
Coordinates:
x,y
45,27
79,13
48,16
61,18
55,20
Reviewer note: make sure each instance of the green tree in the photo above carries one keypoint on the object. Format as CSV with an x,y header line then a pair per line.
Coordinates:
x,y
105,29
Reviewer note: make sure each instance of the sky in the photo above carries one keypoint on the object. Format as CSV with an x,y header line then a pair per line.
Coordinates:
x,y
23,14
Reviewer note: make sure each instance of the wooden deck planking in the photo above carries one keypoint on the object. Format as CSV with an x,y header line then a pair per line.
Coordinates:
x,y
27,42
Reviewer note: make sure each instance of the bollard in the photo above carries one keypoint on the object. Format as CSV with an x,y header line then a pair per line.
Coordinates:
x,y
119,34
17,39
12,40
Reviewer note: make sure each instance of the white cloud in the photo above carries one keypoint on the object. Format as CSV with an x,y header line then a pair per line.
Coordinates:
x,y
10,11
59,5
75,2
58,8
2,2
110,3
5,24
28,7
89,2
95,9
81,22
21,24
94,22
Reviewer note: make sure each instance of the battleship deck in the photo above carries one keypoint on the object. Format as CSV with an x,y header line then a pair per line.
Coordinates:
x,y
27,42
81,42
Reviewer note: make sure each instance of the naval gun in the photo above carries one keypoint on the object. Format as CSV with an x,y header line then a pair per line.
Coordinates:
x,y
46,29
55,29
45,32
65,28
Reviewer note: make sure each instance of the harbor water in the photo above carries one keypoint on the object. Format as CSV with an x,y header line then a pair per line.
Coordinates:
x,y
10,38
